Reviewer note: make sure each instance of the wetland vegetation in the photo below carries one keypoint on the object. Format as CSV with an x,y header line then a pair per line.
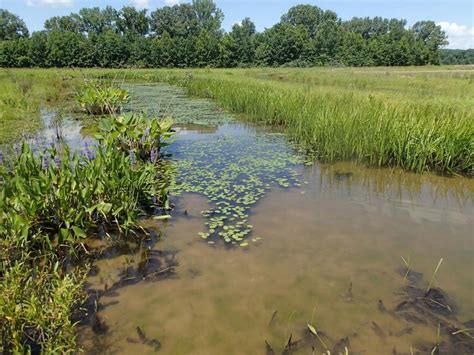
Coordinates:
x,y
89,227
324,210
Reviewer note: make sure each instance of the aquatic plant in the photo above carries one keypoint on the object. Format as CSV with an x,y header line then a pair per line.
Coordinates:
x,y
335,123
50,202
408,269
35,308
313,330
61,196
137,133
433,277
100,97
162,100
234,173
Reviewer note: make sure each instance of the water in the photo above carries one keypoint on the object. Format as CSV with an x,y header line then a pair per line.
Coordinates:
x,y
57,128
329,247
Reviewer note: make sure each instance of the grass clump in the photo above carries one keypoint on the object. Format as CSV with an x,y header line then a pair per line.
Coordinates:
x,y
100,97
50,202
136,133
35,308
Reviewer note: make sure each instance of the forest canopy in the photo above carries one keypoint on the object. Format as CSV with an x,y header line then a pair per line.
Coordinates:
x,y
191,35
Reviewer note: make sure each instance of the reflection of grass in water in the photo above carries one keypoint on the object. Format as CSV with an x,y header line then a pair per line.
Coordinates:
x,y
163,100
234,173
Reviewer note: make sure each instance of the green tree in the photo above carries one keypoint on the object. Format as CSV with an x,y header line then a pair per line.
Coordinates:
x,y
282,43
432,38
110,50
308,16
95,21
238,46
11,26
178,20
133,21
39,49
70,23
64,48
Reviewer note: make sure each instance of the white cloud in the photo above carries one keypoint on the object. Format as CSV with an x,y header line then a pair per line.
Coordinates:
x,y
171,2
140,4
238,23
459,36
53,3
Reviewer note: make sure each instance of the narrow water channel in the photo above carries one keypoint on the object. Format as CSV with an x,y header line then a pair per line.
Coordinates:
x,y
321,244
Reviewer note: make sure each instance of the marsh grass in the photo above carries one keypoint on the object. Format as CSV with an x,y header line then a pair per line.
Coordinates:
x,y
419,119
22,93
346,126
416,119
433,277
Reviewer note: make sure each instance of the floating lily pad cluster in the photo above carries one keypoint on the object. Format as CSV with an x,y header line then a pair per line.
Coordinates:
x,y
234,172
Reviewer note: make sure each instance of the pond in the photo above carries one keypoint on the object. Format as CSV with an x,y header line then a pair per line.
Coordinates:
x,y
262,242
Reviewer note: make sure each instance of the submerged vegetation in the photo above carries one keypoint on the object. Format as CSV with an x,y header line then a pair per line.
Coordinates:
x,y
50,203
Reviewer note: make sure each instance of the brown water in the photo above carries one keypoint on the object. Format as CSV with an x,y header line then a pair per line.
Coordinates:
x,y
346,224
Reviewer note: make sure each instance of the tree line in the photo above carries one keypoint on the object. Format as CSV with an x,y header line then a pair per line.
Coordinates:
x,y
191,35
457,56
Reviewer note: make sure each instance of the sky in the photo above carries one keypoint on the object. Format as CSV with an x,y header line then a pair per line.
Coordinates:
x,y
456,17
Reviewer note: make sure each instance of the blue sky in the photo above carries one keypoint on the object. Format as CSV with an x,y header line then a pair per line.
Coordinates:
x,y
455,16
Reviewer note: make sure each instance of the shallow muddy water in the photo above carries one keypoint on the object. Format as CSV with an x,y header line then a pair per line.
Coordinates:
x,y
324,246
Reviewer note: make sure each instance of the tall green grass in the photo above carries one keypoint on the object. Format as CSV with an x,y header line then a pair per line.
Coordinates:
x,y
23,92
343,124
